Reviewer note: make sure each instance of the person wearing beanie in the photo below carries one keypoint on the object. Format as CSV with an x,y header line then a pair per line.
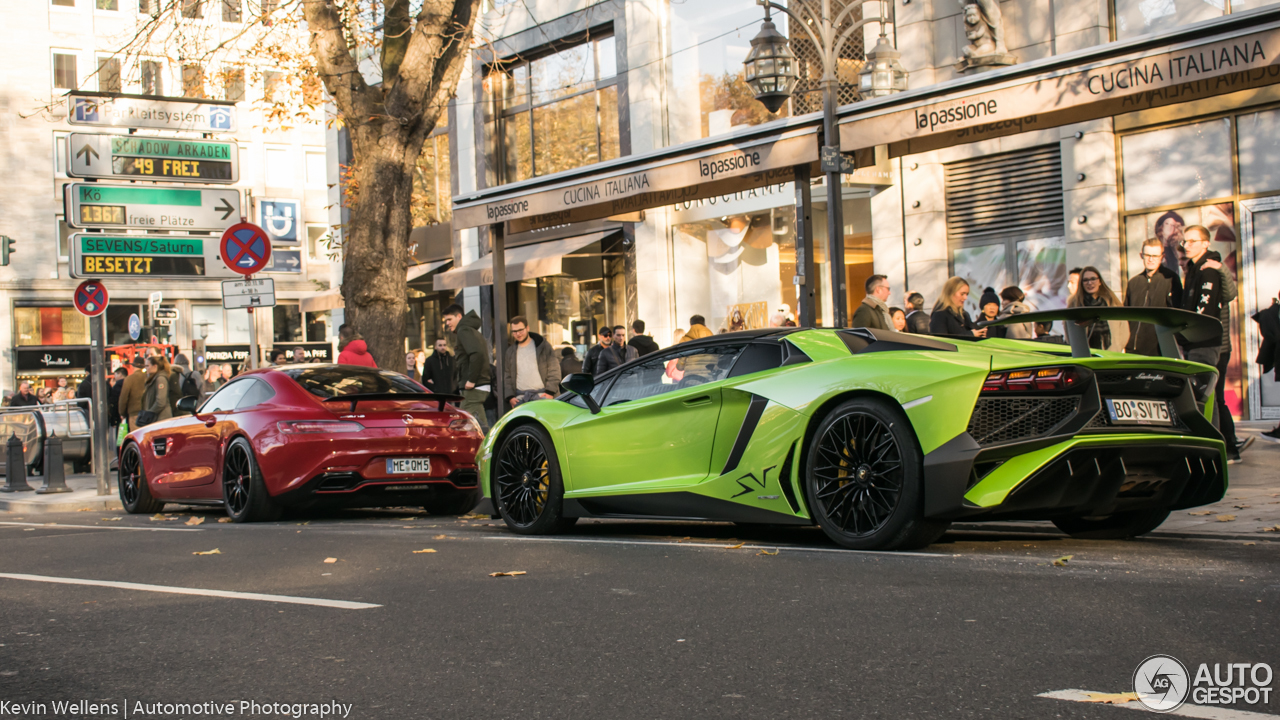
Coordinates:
x,y
989,309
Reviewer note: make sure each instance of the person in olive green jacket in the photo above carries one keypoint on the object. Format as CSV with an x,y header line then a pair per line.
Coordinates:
x,y
471,362
131,391
155,401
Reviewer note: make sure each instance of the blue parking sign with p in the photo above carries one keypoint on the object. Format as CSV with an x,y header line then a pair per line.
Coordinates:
x,y
86,109
220,118
280,219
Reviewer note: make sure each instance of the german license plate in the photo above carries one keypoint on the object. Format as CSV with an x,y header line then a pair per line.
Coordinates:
x,y
1139,412
408,466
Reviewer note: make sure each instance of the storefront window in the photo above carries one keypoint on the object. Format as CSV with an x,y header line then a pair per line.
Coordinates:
x,y
318,326
286,323
709,41
590,294
237,327
118,323
553,113
1258,140
206,323
1041,267
50,326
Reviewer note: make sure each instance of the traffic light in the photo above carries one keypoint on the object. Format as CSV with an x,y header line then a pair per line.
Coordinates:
x,y
6,249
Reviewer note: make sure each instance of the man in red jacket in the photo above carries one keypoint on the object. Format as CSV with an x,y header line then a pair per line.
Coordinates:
x,y
352,349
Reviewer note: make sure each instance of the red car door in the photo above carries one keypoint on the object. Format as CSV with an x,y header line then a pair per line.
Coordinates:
x,y
197,441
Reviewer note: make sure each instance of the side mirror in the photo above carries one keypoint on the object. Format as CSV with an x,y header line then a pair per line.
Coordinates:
x,y
581,384
188,405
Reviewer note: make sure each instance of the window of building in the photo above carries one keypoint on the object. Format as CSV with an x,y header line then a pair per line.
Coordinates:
x,y
238,326
318,242
1140,17
108,4
109,75
50,326
317,324
1177,165
286,324
64,239
231,11
64,3
233,84
271,83
64,71
432,187
206,323
152,74
315,160
192,80
553,113
279,172
192,9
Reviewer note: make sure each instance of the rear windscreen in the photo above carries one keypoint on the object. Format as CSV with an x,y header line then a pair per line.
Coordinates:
x,y
334,380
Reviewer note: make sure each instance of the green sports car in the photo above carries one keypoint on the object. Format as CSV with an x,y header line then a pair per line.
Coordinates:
x,y
881,438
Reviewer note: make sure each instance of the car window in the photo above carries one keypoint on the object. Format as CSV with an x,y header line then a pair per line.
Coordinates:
x,y
328,381
758,357
258,393
673,371
226,398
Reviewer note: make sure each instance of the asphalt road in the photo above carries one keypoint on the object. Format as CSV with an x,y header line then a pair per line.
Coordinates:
x,y
617,620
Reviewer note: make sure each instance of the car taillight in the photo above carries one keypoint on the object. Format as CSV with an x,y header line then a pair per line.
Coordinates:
x,y
318,426
465,424
1032,380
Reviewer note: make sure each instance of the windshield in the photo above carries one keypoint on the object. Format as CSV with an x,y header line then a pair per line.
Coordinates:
x,y
328,381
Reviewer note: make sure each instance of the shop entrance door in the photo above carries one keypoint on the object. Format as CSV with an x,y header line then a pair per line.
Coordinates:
x,y
1260,286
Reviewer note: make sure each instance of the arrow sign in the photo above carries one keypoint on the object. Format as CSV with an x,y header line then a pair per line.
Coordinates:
x,y
226,208
148,157
148,207
86,151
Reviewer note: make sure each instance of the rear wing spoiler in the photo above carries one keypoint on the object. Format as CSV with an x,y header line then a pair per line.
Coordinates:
x,y
1169,322
402,397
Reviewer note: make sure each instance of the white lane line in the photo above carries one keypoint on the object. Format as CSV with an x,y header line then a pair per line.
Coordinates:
x,y
103,527
1194,711
712,546
340,604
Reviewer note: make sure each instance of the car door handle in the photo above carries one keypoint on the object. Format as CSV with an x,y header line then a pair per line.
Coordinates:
x,y
700,400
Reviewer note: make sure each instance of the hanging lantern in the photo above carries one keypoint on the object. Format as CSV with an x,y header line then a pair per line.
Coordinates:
x,y
883,73
770,66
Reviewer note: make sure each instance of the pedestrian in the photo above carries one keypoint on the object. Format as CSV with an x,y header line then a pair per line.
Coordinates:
x,y
1014,304
352,349
1044,333
529,367
1073,282
472,361
411,366
1169,231
873,312
185,383
989,310
641,342
1156,286
697,329
114,421
620,342
604,340
84,391
1208,290
949,316
276,357
24,397
44,396
1269,353
899,319
131,392
299,355
60,392
228,371
420,362
917,318
155,399
612,354
438,371
569,362
1093,292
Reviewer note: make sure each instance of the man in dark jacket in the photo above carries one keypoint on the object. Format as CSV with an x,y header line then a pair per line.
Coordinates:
x,y
24,397
530,366
873,312
917,318
472,362
438,372
85,388
641,342
605,344
1204,294
1156,286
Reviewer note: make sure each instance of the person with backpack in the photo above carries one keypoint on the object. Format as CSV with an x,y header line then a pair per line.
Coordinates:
x,y
183,382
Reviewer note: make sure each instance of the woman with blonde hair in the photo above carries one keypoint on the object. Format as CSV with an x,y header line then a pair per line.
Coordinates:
x,y
949,316
1093,292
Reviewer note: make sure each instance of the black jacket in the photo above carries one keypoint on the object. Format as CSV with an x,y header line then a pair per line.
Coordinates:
x,y
438,373
85,389
1269,327
20,400
643,344
610,358
946,322
593,364
113,403
918,322
1162,289
472,360
1202,294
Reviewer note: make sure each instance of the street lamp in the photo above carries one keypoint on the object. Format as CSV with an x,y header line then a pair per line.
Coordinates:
x,y
770,72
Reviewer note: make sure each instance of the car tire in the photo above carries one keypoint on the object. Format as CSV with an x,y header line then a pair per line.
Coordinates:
x,y
864,479
1120,526
131,482
454,503
527,487
244,494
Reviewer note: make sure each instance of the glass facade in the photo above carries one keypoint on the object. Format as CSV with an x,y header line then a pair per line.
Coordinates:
x,y
50,326
1142,17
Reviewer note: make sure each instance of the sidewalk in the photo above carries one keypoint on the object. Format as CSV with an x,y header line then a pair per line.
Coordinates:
x,y
83,496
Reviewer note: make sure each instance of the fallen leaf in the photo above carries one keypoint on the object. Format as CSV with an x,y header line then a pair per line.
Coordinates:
x,y
1242,507
474,516
425,550
85,510
438,537
1110,698
331,560
509,573
214,551
224,520
1063,560
194,521
766,552
734,547
1203,512
408,518
1225,518
114,519
305,523
1251,543
1270,529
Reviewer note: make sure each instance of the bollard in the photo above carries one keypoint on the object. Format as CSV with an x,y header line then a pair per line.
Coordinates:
x,y
15,478
55,478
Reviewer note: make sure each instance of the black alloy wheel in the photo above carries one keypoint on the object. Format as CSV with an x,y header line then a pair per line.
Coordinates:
x,y
135,496
527,488
865,478
243,492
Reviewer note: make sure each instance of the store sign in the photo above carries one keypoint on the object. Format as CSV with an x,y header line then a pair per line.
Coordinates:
x,y
96,255
149,112
316,352
218,354
1135,82
66,357
103,206
139,157
715,172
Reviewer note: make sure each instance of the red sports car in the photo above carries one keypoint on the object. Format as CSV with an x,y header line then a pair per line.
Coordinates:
x,y
302,436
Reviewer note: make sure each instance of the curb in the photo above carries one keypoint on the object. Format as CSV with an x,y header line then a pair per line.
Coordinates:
x,y
95,502
1041,530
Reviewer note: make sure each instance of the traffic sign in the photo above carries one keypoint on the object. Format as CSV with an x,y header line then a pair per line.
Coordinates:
x,y
142,111
166,313
140,157
280,219
285,261
146,256
91,298
258,292
245,248
99,205
135,326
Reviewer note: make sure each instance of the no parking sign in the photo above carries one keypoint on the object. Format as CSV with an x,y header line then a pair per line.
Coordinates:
x,y
90,298
245,248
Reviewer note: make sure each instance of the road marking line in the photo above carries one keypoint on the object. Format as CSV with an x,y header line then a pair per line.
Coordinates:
x,y
103,527
1194,711
341,604
713,545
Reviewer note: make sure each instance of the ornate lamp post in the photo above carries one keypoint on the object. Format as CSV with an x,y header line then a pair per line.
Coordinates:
x,y
770,72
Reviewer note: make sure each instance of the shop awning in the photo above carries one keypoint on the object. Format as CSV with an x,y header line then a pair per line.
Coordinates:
x,y
523,263
417,271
